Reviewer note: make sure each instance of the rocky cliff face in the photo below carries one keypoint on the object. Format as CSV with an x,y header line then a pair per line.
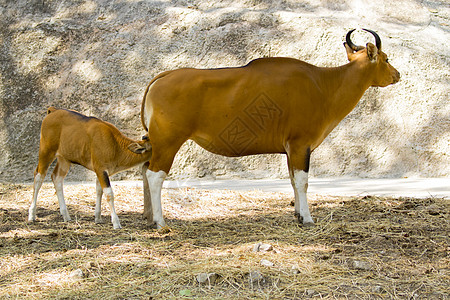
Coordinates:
x,y
97,57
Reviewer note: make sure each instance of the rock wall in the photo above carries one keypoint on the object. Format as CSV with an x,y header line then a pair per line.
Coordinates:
x,y
97,57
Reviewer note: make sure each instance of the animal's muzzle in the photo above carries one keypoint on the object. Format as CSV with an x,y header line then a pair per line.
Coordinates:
x,y
396,77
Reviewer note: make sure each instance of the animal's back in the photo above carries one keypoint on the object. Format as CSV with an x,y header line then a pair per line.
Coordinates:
x,y
65,131
232,111
71,123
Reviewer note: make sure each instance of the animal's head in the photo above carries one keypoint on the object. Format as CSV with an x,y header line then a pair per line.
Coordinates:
x,y
140,147
383,73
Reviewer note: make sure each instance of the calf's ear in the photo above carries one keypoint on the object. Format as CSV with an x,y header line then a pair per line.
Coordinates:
x,y
136,148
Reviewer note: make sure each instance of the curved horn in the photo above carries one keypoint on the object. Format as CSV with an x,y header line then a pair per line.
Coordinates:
x,y
349,41
377,38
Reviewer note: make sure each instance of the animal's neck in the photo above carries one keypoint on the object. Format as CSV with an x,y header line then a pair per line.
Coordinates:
x,y
346,85
134,159
128,157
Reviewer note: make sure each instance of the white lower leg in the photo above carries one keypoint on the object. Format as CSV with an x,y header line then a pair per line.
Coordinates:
x,y
301,203
148,212
296,201
155,181
58,182
98,203
114,218
38,180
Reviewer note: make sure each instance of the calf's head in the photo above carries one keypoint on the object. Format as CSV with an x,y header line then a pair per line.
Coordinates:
x,y
140,147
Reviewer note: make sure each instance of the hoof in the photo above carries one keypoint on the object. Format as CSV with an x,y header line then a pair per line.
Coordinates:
x,y
117,227
299,219
164,230
152,225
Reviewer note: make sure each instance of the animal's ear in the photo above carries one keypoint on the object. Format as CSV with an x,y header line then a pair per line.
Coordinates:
x,y
136,148
350,52
372,52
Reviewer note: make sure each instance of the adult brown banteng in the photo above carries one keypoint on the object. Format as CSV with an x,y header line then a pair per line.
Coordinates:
x,y
271,105
97,145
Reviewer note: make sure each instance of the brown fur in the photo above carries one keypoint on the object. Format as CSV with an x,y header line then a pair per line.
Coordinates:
x,y
71,137
95,144
271,105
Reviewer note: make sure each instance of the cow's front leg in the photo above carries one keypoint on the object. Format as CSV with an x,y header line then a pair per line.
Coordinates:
x,y
298,162
300,185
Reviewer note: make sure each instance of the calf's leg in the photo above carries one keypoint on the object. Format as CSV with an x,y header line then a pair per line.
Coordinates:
x,y
45,159
105,184
61,169
38,180
98,202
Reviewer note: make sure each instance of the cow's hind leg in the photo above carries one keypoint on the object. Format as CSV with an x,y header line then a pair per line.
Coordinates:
x,y
155,182
148,211
59,173
298,160
157,171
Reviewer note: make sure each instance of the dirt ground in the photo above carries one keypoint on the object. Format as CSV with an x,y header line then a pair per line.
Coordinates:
x,y
360,248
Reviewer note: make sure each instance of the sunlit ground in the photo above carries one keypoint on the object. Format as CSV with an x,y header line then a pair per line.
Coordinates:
x,y
361,247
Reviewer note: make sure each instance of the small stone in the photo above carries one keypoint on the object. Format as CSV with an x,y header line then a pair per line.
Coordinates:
x,y
265,247
207,278
256,247
310,292
260,247
89,265
295,269
266,263
362,265
76,274
255,277
377,289
185,293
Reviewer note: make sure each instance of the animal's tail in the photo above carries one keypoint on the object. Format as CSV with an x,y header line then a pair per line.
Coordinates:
x,y
145,96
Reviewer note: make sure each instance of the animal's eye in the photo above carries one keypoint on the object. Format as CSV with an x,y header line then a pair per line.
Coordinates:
x,y
387,60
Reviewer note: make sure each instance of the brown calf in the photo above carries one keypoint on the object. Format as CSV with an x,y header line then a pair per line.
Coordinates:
x,y
71,137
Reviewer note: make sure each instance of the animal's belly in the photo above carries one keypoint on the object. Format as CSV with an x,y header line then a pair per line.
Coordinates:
x,y
252,130
239,143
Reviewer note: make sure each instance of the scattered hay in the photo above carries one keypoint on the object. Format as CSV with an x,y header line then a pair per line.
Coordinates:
x,y
361,247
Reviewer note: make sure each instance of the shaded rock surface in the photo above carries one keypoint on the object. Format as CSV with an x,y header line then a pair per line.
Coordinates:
x,y
97,57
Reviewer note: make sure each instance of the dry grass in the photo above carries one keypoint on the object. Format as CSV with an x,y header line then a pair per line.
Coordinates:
x,y
361,247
